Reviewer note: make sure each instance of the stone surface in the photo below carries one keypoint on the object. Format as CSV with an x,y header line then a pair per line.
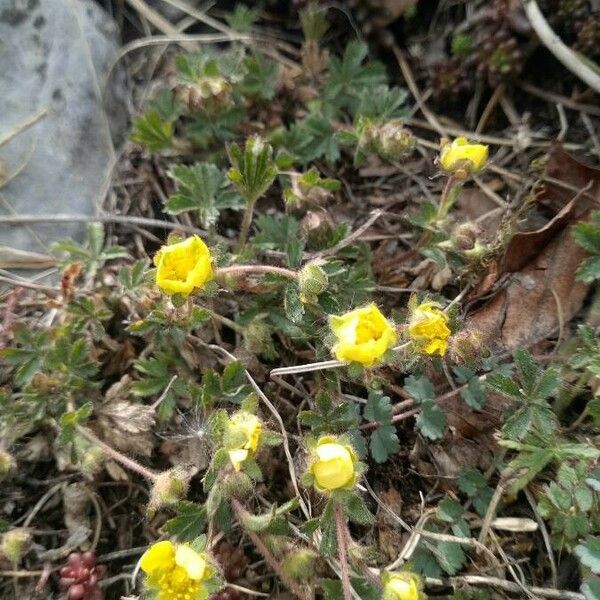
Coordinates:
x,y
54,56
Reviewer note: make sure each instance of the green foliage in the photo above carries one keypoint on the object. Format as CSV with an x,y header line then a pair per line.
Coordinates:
x,y
93,253
587,235
151,131
474,392
242,18
572,507
431,420
204,188
472,483
260,78
530,392
190,519
383,442
328,417
252,168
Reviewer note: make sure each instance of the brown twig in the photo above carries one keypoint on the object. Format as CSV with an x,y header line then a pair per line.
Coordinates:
x,y
248,269
116,455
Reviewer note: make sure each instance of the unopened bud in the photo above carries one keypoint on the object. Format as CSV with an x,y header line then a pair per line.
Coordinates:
x,y
312,281
394,141
16,543
206,94
257,338
236,485
169,488
465,346
300,564
465,235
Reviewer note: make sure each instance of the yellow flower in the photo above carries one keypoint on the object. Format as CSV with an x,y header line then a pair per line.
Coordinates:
x,y
334,465
176,571
364,335
244,432
402,586
461,156
183,267
428,326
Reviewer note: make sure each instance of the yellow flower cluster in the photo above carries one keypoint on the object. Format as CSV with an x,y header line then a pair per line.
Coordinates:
x,y
176,571
428,327
333,465
183,267
461,158
244,431
363,335
402,586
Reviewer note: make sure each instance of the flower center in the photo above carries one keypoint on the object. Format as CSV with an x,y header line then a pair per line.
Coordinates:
x,y
176,585
366,332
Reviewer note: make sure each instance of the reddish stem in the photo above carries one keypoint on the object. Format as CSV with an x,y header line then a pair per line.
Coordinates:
x,y
340,526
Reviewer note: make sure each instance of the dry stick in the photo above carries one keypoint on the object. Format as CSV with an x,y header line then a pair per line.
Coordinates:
x,y
116,455
122,219
589,109
243,269
22,126
340,528
563,53
489,108
502,584
242,514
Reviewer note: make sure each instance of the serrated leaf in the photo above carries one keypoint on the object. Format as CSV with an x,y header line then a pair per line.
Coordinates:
x,y
420,388
294,308
451,557
527,368
449,510
504,385
378,408
589,270
431,421
589,553
151,131
383,443
189,521
357,510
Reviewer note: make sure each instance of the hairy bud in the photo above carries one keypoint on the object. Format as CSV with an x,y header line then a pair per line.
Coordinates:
x,y
169,488
312,281
300,564
16,543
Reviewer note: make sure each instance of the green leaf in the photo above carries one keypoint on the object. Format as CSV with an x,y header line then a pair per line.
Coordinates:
x,y
189,521
449,510
252,169
328,546
451,557
383,443
151,131
294,308
589,553
201,187
378,408
589,270
260,80
587,235
591,588
474,394
420,388
357,511
166,105
431,421
382,103
527,368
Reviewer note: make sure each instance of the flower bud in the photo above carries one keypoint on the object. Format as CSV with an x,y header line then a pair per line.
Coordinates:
x,y
312,281
333,465
236,484
465,235
402,586
16,543
242,437
257,338
300,564
465,346
460,158
7,464
394,141
169,488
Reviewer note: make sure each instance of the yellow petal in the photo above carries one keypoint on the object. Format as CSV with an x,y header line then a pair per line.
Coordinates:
x,y
160,556
402,586
334,466
193,562
237,457
183,267
364,335
462,155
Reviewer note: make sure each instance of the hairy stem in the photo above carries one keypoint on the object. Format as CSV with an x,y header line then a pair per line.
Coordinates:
x,y
449,197
116,455
245,227
241,514
244,269
340,526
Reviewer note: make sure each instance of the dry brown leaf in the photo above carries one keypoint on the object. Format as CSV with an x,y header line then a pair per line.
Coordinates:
x,y
128,425
76,503
542,292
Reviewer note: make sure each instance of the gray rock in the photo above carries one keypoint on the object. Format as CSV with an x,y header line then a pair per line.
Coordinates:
x,y
54,56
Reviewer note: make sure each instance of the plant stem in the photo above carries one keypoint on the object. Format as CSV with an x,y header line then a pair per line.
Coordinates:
x,y
116,455
340,526
243,269
245,227
241,514
449,196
